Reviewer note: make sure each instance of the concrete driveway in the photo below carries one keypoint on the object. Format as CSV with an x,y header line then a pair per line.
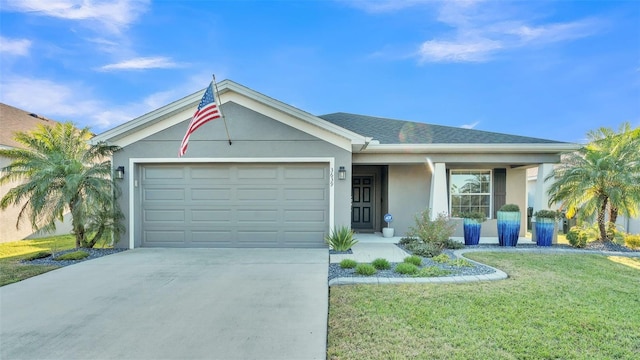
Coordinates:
x,y
172,304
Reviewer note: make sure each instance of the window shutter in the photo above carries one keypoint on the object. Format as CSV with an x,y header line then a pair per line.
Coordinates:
x,y
499,190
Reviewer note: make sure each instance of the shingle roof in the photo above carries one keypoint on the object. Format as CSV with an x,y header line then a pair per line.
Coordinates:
x,y
13,120
391,131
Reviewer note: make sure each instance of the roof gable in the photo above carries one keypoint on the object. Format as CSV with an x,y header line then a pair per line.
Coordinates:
x,y
229,91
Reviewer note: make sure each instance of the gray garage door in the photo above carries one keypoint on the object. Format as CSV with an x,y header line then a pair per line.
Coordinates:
x,y
234,205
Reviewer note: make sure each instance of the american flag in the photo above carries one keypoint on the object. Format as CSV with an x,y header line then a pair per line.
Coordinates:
x,y
207,111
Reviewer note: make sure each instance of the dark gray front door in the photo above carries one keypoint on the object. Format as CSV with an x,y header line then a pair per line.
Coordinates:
x,y
362,204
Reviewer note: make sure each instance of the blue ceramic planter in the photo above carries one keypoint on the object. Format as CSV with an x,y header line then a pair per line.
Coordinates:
x,y
471,229
508,228
544,231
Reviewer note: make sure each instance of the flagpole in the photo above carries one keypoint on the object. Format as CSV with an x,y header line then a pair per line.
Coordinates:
x,y
220,108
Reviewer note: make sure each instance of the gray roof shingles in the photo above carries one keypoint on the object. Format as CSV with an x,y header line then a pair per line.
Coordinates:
x,y
391,131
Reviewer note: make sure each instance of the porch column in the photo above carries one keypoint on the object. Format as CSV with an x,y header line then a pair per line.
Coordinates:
x,y
438,200
541,199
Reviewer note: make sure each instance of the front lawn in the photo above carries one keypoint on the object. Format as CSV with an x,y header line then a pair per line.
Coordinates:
x,y
552,306
11,270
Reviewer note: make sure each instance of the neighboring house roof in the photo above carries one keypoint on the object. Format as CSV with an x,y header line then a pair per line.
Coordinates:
x,y
14,120
392,131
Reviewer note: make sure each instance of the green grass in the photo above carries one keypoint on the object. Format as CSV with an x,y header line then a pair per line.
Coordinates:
x,y
11,270
553,306
74,255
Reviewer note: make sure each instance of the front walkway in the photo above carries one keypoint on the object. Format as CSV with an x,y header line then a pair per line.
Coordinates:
x,y
372,246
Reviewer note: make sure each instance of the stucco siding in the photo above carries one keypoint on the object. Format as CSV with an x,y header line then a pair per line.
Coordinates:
x,y
254,136
408,194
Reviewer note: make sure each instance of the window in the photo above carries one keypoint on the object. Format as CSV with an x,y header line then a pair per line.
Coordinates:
x,y
470,191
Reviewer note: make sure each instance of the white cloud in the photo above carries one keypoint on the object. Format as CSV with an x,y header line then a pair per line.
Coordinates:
x,y
18,47
460,51
481,29
470,126
114,15
78,103
141,63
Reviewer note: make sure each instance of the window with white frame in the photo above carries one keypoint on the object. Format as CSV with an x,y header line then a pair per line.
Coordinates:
x,y
470,191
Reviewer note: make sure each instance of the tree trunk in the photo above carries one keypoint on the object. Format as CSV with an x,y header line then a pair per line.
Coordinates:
x,y
601,219
76,227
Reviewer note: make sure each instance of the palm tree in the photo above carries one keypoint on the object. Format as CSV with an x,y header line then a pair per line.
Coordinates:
x,y
603,175
60,172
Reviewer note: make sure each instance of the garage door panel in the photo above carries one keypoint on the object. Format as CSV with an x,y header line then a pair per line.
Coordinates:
x,y
305,194
163,172
164,236
152,194
257,194
213,216
203,194
164,216
235,205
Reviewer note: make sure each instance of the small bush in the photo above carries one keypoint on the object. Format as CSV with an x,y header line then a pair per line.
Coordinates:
x,y
460,263
38,255
432,271
381,264
365,269
348,263
632,241
442,258
413,259
474,215
452,244
577,237
407,240
424,250
406,268
510,208
74,255
432,231
548,214
341,239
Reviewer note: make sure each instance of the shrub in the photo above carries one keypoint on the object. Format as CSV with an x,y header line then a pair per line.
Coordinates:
x,y
365,269
407,240
436,231
381,264
348,263
406,268
74,255
442,258
341,239
577,237
38,255
425,250
460,263
413,259
432,271
475,215
452,244
632,241
510,208
547,214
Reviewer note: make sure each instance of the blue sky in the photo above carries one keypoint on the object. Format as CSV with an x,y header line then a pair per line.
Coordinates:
x,y
549,69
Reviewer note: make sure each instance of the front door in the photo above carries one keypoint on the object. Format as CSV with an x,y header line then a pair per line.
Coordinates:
x,y
362,204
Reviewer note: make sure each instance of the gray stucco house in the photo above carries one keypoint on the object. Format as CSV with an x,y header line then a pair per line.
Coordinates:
x,y
279,183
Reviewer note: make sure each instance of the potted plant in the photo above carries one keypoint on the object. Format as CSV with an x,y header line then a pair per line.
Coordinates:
x,y
388,231
508,225
545,226
471,225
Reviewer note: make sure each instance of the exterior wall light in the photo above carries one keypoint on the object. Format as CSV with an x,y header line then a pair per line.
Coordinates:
x,y
342,173
120,172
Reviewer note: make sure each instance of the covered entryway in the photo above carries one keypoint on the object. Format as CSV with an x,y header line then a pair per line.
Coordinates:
x,y
234,204
368,197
